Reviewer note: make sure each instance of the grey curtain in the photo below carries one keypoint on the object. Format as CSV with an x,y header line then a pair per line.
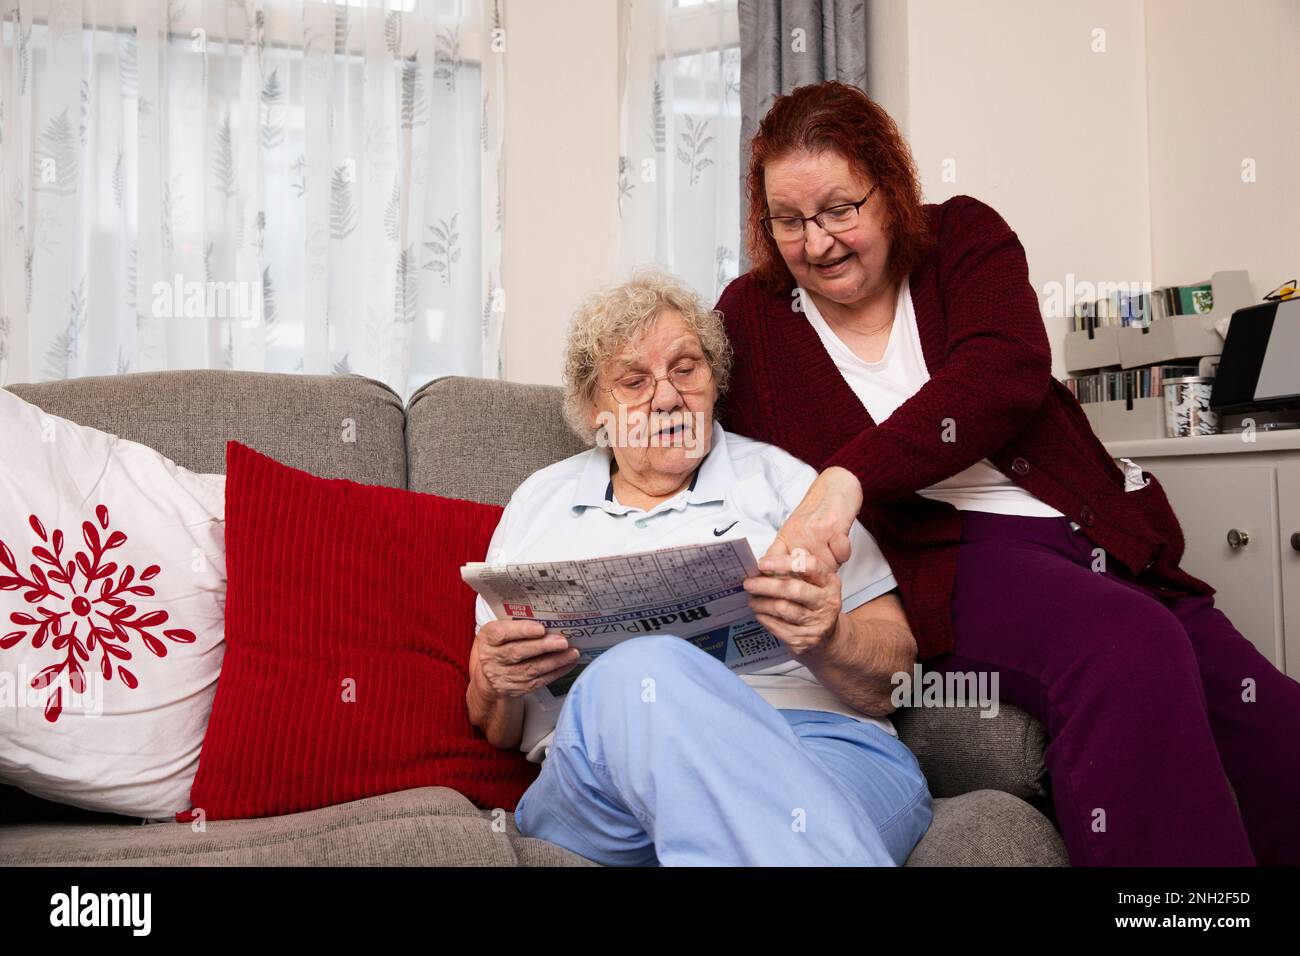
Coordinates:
x,y
789,43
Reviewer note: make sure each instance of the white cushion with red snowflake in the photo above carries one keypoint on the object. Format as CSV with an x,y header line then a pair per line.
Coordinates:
x,y
112,595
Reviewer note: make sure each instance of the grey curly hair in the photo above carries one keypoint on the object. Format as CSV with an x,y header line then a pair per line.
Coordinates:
x,y
607,320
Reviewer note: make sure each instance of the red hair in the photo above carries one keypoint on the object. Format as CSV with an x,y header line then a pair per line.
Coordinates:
x,y
842,119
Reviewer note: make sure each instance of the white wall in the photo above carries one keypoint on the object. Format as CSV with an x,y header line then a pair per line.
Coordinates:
x,y
561,203
1224,87
1120,164
1114,165
887,60
1021,104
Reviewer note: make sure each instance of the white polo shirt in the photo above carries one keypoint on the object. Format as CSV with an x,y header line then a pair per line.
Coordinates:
x,y
741,489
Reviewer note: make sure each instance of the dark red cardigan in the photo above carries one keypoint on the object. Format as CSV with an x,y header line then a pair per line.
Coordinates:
x,y
991,388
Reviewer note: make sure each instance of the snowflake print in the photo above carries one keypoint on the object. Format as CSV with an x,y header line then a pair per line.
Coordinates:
x,y
106,619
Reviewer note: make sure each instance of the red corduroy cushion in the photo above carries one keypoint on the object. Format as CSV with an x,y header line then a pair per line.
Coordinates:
x,y
348,632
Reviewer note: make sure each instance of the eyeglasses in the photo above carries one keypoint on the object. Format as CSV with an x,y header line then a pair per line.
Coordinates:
x,y
834,219
688,377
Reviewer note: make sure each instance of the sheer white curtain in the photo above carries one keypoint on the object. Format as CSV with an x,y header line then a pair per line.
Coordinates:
x,y
680,140
278,185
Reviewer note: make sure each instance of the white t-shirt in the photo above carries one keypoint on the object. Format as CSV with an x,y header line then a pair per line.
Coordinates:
x,y
883,386
567,511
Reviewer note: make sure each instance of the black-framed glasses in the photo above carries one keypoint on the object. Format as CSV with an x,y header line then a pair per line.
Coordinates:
x,y
688,377
833,219
1287,290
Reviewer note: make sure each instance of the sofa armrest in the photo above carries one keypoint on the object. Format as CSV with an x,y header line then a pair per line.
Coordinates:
x,y
961,751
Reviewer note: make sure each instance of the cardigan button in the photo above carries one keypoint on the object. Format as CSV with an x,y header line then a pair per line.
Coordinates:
x,y
1020,466
1086,516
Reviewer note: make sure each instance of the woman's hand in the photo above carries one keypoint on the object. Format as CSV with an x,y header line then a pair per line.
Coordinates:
x,y
514,658
798,600
821,523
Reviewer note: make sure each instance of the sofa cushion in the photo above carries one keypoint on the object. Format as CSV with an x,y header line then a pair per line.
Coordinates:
x,y
980,828
348,632
478,438
960,750
112,581
334,426
426,826
533,852
434,826
988,828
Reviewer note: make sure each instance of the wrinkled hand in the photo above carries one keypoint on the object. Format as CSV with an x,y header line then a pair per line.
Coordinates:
x,y
515,658
821,523
798,600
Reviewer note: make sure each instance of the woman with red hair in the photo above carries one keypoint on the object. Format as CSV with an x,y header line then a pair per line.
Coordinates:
x,y
898,348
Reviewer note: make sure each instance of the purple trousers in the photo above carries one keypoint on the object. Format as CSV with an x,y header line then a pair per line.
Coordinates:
x,y
1173,741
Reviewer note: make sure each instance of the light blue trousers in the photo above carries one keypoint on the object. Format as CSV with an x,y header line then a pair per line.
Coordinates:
x,y
663,756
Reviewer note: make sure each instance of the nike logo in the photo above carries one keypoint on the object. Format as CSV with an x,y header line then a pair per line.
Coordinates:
x,y
719,532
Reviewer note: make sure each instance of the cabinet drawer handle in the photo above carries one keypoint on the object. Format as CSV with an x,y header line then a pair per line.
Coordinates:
x,y
1238,539
1295,541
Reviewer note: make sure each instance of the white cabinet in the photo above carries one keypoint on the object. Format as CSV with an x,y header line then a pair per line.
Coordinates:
x,y
1211,501
1239,504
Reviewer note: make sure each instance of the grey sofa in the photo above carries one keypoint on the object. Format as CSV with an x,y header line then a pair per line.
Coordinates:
x,y
464,438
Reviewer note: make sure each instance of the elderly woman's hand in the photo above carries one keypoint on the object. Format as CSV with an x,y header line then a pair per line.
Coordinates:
x,y
797,599
821,523
515,658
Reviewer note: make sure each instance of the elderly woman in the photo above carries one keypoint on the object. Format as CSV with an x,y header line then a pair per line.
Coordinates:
x,y
794,764
899,349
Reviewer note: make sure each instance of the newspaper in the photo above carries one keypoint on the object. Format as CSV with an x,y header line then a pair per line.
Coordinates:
x,y
694,592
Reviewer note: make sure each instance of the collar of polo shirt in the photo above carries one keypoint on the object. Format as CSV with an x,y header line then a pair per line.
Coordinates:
x,y
712,478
